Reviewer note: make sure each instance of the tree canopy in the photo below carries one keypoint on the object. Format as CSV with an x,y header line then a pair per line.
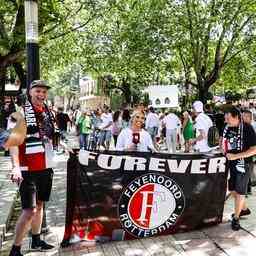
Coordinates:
x,y
198,43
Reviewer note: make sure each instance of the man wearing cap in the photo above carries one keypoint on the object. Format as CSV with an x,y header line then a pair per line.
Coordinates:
x,y
32,167
202,125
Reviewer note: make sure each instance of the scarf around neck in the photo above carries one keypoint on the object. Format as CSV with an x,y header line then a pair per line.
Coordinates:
x,y
35,141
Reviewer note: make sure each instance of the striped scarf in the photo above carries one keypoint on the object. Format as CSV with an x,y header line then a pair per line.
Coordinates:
x,y
34,142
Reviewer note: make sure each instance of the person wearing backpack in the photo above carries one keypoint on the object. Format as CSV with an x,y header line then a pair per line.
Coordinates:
x,y
202,125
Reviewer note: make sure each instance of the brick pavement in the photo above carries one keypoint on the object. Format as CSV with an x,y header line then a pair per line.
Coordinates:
x,y
216,241
8,193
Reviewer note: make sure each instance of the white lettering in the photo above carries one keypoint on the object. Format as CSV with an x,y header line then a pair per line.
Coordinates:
x,y
162,228
168,224
154,231
146,233
145,179
173,189
152,178
217,164
160,179
127,223
157,164
124,217
135,163
109,162
177,195
140,231
132,188
137,182
173,217
84,157
168,183
127,193
173,165
198,166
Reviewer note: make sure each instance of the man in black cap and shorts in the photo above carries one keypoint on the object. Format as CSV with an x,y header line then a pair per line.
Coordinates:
x,y
239,145
32,167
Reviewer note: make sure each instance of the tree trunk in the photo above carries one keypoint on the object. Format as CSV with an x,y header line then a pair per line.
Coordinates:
x,y
3,72
21,74
203,94
127,91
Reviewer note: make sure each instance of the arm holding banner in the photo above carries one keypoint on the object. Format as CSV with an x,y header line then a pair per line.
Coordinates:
x,y
248,153
16,172
122,144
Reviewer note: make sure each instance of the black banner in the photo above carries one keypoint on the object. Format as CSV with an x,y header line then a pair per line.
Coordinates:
x,y
124,195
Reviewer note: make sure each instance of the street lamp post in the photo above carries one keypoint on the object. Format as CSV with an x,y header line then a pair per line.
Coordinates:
x,y
33,64
31,27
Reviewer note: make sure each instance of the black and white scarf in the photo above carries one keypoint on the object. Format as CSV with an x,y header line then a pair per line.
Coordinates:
x,y
35,139
240,164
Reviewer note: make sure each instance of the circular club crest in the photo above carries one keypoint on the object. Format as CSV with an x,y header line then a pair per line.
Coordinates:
x,y
150,205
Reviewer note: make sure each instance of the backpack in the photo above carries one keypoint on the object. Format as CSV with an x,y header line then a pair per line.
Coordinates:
x,y
213,136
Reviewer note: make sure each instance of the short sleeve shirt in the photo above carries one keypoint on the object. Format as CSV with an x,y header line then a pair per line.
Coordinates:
x,y
106,119
125,139
249,139
203,123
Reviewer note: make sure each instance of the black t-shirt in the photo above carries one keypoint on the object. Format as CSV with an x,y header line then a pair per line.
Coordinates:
x,y
62,121
248,139
219,121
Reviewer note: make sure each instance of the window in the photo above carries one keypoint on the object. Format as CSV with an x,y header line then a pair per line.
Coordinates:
x,y
158,102
167,101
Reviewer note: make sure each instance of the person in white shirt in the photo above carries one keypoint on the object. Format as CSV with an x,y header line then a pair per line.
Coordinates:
x,y
152,124
171,122
135,138
106,127
202,126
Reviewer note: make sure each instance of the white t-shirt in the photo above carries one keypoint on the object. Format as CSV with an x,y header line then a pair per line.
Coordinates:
x,y
171,121
203,122
124,140
152,120
106,119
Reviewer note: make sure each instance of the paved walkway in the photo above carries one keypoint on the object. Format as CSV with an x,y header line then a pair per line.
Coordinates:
x,y
8,192
216,241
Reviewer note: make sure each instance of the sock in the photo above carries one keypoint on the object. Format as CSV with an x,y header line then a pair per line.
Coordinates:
x,y
35,238
16,248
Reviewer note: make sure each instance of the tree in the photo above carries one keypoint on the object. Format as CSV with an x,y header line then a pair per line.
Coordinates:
x,y
56,20
211,34
65,83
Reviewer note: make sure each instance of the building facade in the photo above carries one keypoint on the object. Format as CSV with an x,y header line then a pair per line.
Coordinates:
x,y
92,94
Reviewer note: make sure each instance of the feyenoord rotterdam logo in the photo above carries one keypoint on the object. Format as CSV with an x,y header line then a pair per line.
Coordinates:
x,y
150,205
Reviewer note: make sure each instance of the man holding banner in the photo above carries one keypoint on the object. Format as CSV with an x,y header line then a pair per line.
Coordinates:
x,y
32,167
239,145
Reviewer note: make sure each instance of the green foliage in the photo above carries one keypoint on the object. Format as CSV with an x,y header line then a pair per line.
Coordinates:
x,y
190,42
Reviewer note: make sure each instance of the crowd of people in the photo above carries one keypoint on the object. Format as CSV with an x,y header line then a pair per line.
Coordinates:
x,y
138,129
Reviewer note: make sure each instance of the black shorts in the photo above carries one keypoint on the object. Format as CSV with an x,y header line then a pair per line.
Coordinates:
x,y
36,185
238,181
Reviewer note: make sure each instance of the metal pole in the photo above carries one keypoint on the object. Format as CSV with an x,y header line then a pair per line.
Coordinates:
x,y
33,63
31,26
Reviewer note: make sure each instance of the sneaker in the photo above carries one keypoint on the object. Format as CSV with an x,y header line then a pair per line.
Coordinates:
x,y
243,213
235,225
41,246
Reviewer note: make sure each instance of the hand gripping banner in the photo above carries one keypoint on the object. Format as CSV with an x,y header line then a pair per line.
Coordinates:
x,y
124,195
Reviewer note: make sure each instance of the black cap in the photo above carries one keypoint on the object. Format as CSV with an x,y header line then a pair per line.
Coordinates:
x,y
39,83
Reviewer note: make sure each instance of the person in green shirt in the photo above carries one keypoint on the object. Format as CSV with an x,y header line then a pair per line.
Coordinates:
x,y
188,131
85,125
